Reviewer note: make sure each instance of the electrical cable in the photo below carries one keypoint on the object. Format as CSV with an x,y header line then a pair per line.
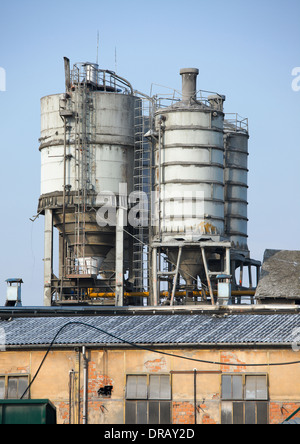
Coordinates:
x,y
277,364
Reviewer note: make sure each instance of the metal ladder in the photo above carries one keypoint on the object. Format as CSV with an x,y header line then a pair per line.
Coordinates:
x,y
85,127
142,183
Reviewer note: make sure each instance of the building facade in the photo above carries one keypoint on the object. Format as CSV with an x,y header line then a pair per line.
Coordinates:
x,y
164,367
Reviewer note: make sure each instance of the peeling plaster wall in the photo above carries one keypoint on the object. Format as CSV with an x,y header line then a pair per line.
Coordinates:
x,y
110,367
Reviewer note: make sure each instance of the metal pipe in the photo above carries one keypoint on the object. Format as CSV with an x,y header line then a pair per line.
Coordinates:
x,y
159,180
146,294
154,277
64,206
85,386
67,74
195,395
77,388
198,372
71,376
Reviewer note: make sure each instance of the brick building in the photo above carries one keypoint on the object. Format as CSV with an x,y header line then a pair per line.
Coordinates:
x,y
155,366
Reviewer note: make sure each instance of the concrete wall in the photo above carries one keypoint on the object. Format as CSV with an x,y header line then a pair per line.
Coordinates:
x,y
110,367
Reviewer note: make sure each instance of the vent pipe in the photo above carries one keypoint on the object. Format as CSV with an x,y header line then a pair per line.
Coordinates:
x,y
189,83
67,74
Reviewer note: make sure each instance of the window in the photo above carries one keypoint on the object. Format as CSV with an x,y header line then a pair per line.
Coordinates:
x,y
13,387
244,399
148,399
136,387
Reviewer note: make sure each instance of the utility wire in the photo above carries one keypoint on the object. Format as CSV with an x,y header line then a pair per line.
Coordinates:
x,y
277,364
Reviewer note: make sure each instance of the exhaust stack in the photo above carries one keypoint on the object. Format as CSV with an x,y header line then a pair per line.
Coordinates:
x,y
189,83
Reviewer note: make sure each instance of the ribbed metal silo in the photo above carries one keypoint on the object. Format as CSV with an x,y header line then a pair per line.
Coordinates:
x,y
189,179
236,138
189,161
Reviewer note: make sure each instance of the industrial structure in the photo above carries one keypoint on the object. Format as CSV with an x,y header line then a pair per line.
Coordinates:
x,y
146,242
184,366
148,194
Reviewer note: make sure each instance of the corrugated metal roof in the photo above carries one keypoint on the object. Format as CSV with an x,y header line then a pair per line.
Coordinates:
x,y
154,329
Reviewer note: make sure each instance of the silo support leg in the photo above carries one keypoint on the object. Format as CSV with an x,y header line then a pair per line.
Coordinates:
x,y
120,258
154,281
176,275
207,276
48,257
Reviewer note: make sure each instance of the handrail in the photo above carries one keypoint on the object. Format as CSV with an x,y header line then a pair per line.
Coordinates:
x,y
236,122
162,99
107,79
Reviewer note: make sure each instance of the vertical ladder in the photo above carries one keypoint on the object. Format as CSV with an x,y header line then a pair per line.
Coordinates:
x,y
142,183
85,128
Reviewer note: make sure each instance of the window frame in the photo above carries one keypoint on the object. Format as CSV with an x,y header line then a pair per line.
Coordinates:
x,y
146,406
148,376
17,376
244,377
239,412
233,410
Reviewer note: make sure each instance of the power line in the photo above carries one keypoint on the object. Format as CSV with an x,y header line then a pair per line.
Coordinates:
x,y
140,347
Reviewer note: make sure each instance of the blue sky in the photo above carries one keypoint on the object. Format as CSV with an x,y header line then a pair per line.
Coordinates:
x,y
245,50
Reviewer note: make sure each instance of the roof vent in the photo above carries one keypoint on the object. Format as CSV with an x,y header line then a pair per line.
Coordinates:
x,y
13,294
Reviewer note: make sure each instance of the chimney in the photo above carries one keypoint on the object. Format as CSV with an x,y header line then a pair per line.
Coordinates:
x,y
189,83
13,295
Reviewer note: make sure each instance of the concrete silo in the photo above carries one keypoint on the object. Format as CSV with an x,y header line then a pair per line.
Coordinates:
x,y
87,149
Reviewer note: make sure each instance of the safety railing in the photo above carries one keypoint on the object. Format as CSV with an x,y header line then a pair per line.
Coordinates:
x,y
203,98
234,122
101,79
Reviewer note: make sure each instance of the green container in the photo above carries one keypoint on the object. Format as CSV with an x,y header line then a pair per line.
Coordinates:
x,y
27,411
